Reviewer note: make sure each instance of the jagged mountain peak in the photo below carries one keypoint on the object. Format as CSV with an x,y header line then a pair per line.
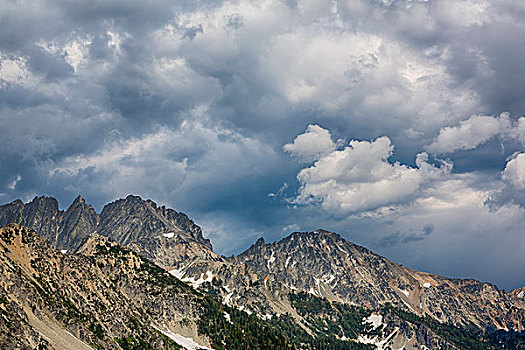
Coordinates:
x,y
324,264
133,219
79,221
317,234
132,200
164,235
16,202
78,200
259,242
318,240
320,263
44,200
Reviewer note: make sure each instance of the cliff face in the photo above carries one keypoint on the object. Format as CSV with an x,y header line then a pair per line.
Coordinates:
x,y
77,223
41,214
107,296
163,235
133,219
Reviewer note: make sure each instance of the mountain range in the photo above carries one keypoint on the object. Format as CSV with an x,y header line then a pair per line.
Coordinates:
x,y
137,275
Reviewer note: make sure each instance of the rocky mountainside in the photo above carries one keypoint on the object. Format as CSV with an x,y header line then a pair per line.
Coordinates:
x,y
325,265
108,297
416,309
518,296
163,235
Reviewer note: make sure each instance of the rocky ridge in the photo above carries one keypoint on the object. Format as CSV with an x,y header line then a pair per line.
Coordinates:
x,y
107,297
323,264
262,279
161,234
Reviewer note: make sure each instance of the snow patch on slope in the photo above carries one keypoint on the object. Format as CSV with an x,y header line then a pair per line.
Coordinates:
x,y
195,283
186,343
179,273
169,234
380,344
375,320
271,260
265,317
287,261
228,298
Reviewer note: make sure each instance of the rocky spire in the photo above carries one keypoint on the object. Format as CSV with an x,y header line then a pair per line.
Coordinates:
x,y
79,221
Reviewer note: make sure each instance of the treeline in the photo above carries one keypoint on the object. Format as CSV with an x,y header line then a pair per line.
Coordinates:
x,y
471,337
232,329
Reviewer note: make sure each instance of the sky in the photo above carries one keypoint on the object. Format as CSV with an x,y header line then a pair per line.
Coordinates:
x,y
396,123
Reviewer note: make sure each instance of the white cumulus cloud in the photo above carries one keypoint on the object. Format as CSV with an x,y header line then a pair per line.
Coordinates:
x,y
476,130
514,172
313,144
359,178
14,71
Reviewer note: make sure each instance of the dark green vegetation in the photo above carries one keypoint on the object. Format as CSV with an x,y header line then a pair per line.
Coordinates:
x,y
329,321
244,331
240,331
110,297
301,339
338,319
137,343
229,328
467,337
463,338
506,340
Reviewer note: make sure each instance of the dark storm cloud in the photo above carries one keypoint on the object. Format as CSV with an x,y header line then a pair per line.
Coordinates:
x,y
52,67
190,104
403,238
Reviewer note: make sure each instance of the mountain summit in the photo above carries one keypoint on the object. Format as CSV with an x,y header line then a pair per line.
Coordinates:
x,y
324,265
309,283
161,234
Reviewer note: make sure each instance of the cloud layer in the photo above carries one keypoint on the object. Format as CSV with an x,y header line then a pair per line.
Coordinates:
x,y
203,106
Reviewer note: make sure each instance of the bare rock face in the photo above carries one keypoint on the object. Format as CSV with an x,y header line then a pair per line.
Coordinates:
x,y
103,293
518,297
65,230
323,264
77,223
133,219
41,213
163,235
11,212
106,296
